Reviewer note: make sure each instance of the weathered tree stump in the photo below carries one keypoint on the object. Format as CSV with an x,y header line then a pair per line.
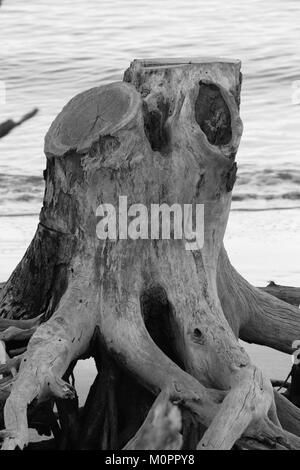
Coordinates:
x,y
170,318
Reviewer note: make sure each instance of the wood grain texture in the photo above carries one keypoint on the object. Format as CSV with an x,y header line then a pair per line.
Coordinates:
x,y
169,317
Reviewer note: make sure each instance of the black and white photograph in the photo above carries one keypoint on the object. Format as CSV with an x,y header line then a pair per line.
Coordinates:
x,y
149,227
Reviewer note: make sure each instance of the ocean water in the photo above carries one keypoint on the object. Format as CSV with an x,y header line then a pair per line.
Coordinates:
x,y
50,51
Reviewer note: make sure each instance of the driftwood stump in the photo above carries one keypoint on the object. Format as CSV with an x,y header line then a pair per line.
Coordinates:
x,y
168,318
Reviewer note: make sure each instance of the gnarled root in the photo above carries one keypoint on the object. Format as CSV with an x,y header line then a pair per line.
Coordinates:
x,y
244,415
248,403
50,351
256,316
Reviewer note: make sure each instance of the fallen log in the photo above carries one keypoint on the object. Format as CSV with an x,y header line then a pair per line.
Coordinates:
x,y
170,309
291,295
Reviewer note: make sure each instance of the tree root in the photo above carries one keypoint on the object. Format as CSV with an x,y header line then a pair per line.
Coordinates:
x,y
17,334
51,349
20,324
254,315
224,425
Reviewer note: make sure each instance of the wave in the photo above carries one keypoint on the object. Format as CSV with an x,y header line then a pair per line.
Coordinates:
x,y
263,209
20,187
249,174
20,194
268,184
292,196
26,179
23,214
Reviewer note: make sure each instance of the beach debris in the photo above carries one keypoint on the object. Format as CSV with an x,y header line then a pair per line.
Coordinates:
x,y
291,295
7,126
